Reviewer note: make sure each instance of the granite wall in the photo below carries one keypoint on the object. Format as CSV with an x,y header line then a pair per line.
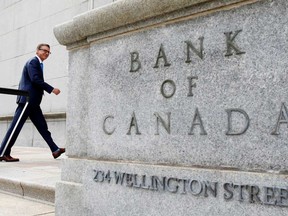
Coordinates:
x,y
176,108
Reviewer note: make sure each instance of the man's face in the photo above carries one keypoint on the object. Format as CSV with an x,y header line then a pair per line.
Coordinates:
x,y
43,52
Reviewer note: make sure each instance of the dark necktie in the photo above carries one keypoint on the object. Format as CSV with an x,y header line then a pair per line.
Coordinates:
x,y
41,64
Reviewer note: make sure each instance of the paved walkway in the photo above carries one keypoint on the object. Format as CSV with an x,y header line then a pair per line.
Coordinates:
x,y
27,188
11,205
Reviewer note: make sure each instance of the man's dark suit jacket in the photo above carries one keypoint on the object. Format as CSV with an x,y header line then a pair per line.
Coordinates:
x,y
32,80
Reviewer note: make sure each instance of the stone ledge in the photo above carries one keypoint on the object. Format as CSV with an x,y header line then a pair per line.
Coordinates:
x,y
48,116
29,190
127,13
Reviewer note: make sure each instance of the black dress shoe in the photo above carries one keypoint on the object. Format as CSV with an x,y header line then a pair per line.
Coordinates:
x,y
58,152
8,158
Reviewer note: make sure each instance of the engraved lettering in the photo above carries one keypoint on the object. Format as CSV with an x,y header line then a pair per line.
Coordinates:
x,y
240,187
195,187
231,45
172,86
282,197
175,187
156,182
183,182
143,185
119,177
269,196
133,123
197,52
282,119
135,62
96,175
228,194
242,192
129,180
246,125
99,176
253,193
191,84
135,181
197,121
210,186
165,125
162,55
108,177
104,127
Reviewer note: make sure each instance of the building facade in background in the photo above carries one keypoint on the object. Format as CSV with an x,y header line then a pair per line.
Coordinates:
x,y
25,24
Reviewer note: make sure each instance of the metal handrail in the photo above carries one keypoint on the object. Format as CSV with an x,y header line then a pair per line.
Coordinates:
x,y
14,92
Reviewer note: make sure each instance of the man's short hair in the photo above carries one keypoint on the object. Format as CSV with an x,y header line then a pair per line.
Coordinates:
x,y
42,44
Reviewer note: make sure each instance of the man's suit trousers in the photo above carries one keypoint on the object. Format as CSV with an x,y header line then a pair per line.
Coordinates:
x,y
35,114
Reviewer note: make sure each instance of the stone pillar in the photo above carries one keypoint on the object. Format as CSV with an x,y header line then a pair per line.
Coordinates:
x,y
176,107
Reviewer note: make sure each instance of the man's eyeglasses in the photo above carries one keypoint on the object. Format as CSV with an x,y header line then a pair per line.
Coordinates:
x,y
46,51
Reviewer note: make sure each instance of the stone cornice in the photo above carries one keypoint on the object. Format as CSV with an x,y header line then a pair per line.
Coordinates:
x,y
130,15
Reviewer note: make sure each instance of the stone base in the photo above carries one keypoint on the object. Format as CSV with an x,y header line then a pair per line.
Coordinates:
x,y
110,188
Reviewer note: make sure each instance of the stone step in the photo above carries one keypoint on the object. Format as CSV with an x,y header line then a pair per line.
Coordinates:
x,y
34,177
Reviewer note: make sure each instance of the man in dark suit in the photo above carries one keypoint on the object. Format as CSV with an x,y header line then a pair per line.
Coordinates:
x,y
32,80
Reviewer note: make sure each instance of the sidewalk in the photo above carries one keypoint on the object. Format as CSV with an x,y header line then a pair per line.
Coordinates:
x,y
11,205
29,182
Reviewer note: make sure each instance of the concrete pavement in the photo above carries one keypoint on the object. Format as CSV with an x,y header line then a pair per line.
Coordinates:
x,y
12,205
28,186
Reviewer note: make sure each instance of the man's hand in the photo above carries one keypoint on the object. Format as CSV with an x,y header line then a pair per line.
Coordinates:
x,y
56,91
